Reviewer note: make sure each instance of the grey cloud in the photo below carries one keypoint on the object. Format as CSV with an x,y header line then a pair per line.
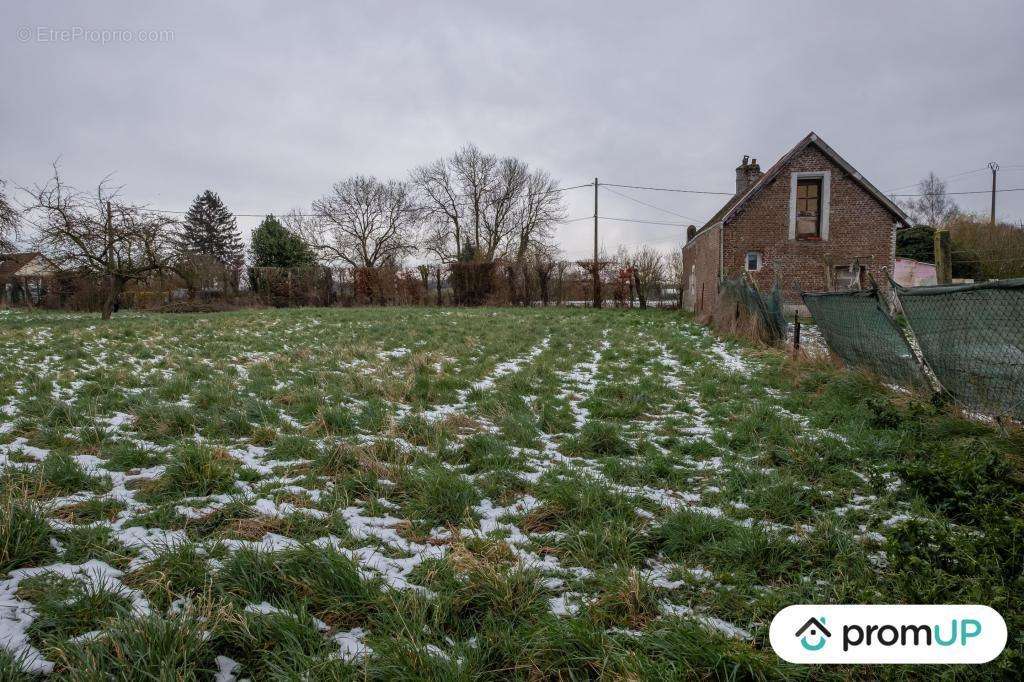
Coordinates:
x,y
269,103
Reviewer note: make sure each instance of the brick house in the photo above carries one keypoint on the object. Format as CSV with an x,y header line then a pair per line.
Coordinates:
x,y
812,221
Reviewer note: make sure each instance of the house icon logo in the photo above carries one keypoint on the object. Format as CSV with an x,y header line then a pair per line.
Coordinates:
x,y
815,631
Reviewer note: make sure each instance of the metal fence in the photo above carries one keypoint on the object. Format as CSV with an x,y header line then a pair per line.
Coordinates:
x,y
972,338
857,327
969,337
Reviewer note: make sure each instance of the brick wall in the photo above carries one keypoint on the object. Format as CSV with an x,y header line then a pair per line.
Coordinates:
x,y
700,265
859,227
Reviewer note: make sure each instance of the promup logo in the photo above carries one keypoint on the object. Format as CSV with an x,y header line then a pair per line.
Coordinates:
x,y
817,629
888,634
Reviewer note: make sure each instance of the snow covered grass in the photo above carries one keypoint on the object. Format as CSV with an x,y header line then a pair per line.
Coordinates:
x,y
465,493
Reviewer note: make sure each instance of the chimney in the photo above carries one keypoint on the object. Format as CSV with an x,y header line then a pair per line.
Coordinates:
x,y
747,173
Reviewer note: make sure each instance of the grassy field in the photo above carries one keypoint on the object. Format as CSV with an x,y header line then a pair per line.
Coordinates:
x,y
456,494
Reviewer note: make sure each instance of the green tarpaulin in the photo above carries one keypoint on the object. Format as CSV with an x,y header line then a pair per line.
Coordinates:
x,y
972,338
858,328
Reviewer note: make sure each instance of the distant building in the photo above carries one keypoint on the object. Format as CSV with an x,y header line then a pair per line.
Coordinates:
x,y
23,277
812,221
912,273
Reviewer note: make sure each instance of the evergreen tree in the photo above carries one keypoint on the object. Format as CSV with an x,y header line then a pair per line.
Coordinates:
x,y
274,246
917,242
210,229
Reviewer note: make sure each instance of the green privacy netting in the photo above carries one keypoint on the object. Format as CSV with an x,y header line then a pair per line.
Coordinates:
x,y
763,310
972,338
858,328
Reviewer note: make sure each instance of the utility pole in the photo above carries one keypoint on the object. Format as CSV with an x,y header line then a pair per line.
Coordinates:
x,y
943,258
597,272
995,168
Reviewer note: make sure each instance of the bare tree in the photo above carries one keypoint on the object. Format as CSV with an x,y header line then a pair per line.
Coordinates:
x,y
199,271
503,208
424,271
540,209
99,235
442,208
597,275
365,222
475,173
9,221
544,266
648,271
496,206
933,207
677,274
561,267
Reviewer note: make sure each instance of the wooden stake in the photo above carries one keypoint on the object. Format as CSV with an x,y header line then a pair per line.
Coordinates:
x,y
796,332
943,258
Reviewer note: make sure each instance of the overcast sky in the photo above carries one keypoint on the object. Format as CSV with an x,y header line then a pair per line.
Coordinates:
x,y
270,103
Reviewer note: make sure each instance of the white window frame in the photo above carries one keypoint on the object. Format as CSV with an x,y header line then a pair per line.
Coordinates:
x,y
826,192
746,261
855,276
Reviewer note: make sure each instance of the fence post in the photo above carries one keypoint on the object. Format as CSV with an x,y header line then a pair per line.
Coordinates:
x,y
943,260
796,332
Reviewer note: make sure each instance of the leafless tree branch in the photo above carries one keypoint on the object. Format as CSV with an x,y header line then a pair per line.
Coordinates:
x,y
99,235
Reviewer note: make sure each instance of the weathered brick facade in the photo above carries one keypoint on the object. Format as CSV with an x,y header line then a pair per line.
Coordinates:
x,y
861,228
700,263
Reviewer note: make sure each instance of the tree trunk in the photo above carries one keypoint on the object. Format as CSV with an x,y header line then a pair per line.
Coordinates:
x,y
640,293
524,272
115,285
425,276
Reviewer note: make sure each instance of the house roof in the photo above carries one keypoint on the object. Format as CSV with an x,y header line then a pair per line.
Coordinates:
x,y
737,201
10,263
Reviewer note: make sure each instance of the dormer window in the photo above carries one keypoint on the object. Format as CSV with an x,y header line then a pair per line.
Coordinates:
x,y
808,206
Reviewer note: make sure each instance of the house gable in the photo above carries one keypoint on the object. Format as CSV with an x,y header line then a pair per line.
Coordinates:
x,y
738,201
856,237
832,158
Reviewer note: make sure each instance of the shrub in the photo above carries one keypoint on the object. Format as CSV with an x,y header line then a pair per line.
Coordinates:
x,y
439,497
24,535
195,470
601,439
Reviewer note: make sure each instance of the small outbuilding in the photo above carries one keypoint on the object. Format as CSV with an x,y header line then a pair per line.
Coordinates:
x,y
23,278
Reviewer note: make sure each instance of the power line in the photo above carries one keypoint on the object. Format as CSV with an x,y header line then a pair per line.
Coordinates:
x,y
980,191
667,189
617,219
658,241
657,208
957,175
642,222
320,215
